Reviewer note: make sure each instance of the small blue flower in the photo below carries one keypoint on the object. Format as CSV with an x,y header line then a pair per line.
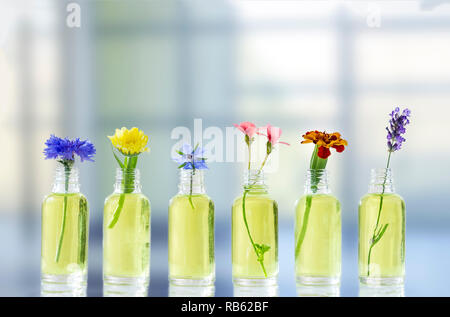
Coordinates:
x,y
396,128
65,149
189,158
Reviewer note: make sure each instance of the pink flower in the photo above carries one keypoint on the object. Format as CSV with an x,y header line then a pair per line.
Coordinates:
x,y
248,128
273,134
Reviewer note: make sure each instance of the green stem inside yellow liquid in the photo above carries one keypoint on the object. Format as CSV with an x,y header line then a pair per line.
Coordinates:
x,y
259,249
127,185
316,163
63,226
378,233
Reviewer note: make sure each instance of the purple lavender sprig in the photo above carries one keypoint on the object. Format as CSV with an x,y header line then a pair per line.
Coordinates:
x,y
399,120
396,128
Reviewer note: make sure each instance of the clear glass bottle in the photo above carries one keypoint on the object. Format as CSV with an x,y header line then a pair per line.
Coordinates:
x,y
381,250
255,228
64,243
318,233
126,243
191,233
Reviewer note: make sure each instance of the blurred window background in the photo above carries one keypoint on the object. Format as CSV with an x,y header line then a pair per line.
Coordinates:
x,y
299,65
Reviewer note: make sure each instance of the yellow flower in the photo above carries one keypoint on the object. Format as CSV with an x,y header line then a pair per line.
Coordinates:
x,y
130,142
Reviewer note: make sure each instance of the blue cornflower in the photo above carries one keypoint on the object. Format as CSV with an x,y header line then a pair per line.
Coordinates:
x,y
65,149
189,158
397,123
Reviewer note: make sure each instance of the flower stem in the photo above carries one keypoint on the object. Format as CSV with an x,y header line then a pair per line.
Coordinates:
x,y
377,234
259,256
82,231
316,163
302,234
190,188
63,227
249,157
127,184
260,260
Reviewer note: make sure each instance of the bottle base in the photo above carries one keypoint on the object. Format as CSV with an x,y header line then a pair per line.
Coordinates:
x,y
70,285
255,291
191,291
396,290
255,287
205,281
318,286
382,281
257,282
117,286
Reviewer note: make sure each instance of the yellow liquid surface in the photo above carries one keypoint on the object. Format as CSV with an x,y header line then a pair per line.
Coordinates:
x,y
388,255
262,219
320,252
126,246
74,248
191,237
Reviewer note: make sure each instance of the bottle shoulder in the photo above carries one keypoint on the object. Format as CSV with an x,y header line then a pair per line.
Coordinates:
x,y
321,199
254,197
325,197
180,197
58,196
376,196
115,196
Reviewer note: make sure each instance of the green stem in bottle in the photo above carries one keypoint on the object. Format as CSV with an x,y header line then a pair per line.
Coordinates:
x,y
67,169
249,152
378,233
316,163
259,249
190,188
82,231
127,185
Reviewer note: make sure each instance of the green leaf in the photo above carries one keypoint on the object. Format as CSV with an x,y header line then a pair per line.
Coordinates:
x,y
312,162
117,159
381,233
317,162
133,162
179,152
261,249
321,163
182,165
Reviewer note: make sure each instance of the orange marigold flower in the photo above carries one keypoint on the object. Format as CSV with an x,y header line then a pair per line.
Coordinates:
x,y
325,141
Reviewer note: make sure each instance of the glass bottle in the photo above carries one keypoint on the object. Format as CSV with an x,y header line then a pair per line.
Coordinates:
x,y
126,242
381,249
191,233
318,233
255,234
64,243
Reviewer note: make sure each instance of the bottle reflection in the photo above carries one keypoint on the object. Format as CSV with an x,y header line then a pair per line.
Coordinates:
x,y
381,290
305,290
255,291
191,291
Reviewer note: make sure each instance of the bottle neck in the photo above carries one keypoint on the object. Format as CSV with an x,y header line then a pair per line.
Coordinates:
x,y
66,180
317,182
254,181
127,181
191,182
381,181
